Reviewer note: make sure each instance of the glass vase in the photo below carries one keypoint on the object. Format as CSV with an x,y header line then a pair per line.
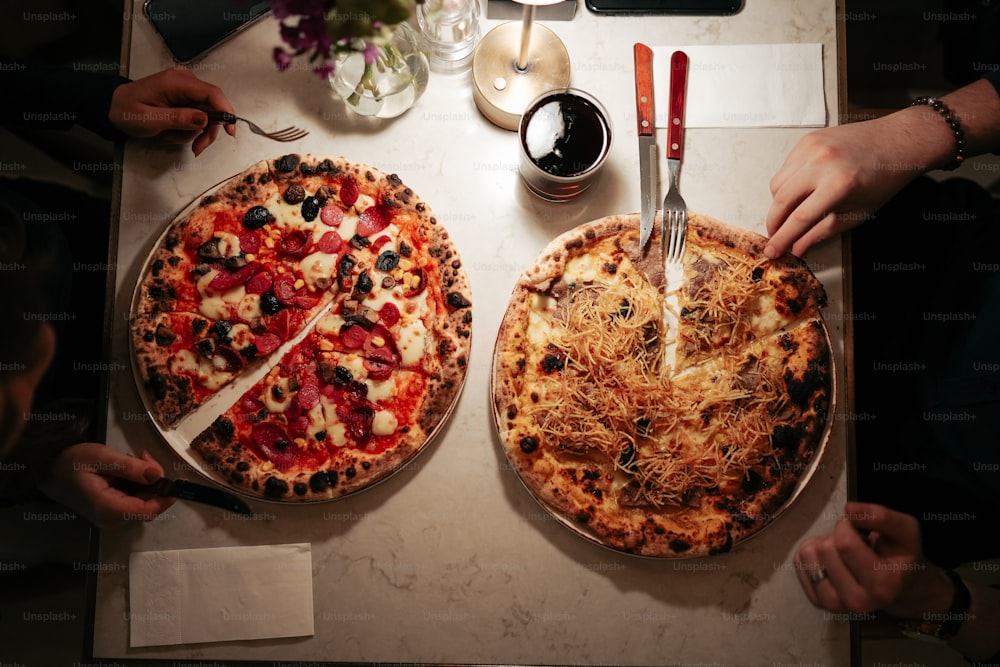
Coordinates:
x,y
392,83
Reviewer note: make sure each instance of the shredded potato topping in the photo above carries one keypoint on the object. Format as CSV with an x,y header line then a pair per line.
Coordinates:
x,y
717,307
613,395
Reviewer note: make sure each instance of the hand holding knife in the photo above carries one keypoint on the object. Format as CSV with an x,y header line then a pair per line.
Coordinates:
x,y
646,126
185,490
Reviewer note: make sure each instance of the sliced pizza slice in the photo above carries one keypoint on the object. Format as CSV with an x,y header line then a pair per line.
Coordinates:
x,y
749,428
733,295
185,358
222,234
320,424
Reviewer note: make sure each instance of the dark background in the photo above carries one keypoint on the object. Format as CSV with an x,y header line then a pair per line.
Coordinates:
x,y
895,52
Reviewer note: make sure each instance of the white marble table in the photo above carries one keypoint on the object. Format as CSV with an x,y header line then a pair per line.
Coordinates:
x,y
451,561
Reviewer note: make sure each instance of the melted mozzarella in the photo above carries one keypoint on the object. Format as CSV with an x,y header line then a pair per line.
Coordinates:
x,y
337,434
768,317
183,361
317,418
348,227
384,423
539,329
364,201
229,244
205,373
583,268
215,305
319,269
380,391
356,365
412,343
267,397
249,307
330,324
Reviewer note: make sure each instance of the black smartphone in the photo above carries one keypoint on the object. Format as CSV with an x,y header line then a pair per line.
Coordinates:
x,y
190,28
647,7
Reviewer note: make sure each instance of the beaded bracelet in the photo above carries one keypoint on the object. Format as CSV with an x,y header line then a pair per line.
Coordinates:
x,y
956,127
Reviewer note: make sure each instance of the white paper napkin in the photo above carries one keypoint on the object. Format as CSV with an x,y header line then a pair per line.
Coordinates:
x,y
189,596
751,85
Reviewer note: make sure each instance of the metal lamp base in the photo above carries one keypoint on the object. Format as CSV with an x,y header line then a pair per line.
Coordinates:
x,y
500,89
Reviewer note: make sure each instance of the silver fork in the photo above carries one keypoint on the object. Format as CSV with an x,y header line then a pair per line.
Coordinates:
x,y
287,134
674,221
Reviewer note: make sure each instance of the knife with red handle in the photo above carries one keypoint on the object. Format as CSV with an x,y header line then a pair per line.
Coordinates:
x,y
646,128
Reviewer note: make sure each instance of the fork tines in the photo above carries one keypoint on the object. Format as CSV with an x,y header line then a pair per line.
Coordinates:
x,y
676,235
288,134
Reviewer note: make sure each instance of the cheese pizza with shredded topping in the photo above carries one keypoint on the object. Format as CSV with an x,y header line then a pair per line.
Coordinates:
x,y
333,291
663,435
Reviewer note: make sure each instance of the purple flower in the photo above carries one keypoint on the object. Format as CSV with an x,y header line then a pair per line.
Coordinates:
x,y
282,59
313,28
295,37
325,69
304,30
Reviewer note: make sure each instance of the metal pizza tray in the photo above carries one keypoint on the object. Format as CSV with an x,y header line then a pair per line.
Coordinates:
x,y
582,531
178,439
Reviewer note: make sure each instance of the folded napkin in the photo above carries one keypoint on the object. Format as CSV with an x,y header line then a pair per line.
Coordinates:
x,y
190,596
752,85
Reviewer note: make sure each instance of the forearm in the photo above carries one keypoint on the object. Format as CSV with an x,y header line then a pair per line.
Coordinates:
x,y
58,98
977,109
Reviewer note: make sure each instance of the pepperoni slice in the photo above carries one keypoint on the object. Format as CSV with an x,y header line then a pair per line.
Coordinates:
x,y
250,404
284,288
292,411
260,283
331,215
308,396
273,443
266,343
227,280
305,301
355,337
281,325
330,243
359,423
386,340
353,393
300,427
294,243
249,241
379,242
374,219
349,191
389,314
380,363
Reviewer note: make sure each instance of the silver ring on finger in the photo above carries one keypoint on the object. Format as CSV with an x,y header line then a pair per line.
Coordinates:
x,y
818,576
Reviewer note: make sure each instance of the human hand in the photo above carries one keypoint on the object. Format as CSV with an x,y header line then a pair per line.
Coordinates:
x,y
871,561
81,478
170,105
835,178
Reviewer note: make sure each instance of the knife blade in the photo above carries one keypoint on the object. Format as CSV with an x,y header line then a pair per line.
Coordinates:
x,y
185,490
646,127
